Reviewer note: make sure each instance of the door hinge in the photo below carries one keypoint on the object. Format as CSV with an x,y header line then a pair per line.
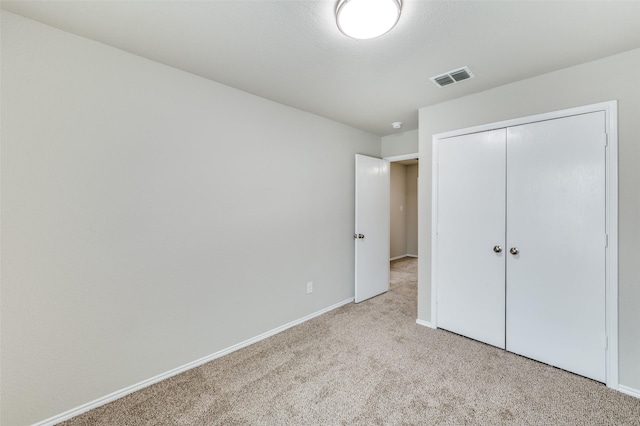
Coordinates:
x,y
606,240
606,342
606,139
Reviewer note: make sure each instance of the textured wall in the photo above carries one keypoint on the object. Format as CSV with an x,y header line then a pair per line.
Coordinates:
x,y
400,143
151,217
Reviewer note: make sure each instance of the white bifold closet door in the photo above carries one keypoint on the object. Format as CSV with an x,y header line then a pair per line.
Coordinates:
x,y
556,220
521,240
471,222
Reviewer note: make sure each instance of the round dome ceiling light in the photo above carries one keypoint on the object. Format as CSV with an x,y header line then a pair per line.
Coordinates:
x,y
365,19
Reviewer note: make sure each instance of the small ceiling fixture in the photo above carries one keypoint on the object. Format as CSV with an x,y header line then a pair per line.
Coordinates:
x,y
396,124
364,19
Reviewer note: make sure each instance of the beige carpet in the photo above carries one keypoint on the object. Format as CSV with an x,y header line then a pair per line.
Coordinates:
x,y
371,364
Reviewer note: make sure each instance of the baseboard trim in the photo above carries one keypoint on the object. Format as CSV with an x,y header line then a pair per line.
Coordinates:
x,y
402,257
425,323
143,384
629,391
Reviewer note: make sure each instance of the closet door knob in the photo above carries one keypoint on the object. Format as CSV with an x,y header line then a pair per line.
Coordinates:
x,y
497,249
514,250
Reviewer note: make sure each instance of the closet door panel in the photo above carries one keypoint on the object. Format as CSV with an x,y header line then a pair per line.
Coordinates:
x,y
556,220
471,214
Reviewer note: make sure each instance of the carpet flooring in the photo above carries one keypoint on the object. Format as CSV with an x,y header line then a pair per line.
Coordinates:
x,y
371,364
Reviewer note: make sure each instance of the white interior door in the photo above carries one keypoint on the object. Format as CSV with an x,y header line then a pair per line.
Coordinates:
x,y
470,224
556,220
371,227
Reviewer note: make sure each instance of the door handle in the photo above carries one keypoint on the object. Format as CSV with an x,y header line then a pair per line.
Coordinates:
x,y
497,249
514,250
361,236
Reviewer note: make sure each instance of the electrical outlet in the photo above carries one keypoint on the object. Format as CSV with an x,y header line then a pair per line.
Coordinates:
x,y
309,287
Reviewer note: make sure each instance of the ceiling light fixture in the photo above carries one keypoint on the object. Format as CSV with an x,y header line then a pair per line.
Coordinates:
x,y
364,19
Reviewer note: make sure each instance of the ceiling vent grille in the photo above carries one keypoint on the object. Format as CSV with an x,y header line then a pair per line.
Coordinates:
x,y
452,77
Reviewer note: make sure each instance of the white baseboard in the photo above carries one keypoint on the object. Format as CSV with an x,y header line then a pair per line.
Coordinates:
x,y
629,391
143,384
402,257
425,323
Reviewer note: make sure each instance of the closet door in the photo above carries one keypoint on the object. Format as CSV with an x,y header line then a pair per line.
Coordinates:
x,y
471,235
556,221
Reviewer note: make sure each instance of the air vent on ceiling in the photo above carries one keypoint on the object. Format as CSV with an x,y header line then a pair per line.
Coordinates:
x,y
452,77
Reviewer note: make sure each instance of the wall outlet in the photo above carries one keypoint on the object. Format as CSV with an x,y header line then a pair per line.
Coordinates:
x,y
309,287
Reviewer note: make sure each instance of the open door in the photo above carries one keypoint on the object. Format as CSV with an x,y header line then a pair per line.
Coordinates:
x,y
371,227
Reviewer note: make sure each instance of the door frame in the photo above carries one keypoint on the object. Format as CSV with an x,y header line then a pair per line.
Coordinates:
x,y
403,157
610,109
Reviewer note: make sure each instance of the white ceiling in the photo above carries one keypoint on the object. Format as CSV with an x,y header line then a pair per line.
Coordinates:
x,y
292,52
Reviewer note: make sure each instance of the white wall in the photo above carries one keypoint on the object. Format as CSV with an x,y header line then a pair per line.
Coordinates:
x,y
615,77
397,202
400,143
151,217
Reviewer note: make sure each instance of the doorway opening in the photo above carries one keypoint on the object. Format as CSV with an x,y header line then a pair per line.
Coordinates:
x,y
403,215
372,221
403,205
